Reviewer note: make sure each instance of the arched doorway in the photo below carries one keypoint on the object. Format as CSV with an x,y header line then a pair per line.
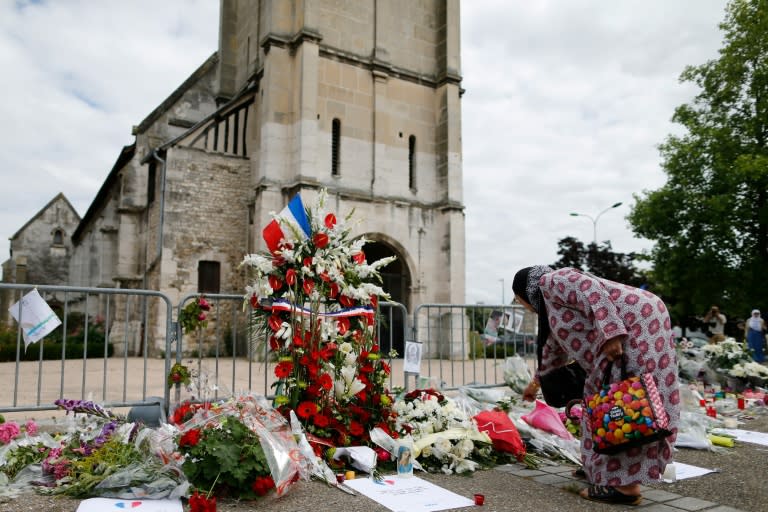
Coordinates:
x,y
396,280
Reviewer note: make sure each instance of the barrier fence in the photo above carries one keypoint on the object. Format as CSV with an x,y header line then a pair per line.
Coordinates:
x,y
117,346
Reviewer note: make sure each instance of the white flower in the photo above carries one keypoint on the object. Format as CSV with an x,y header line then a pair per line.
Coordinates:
x,y
345,348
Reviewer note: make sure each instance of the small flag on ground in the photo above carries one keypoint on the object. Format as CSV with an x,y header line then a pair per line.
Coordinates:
x,y
295,215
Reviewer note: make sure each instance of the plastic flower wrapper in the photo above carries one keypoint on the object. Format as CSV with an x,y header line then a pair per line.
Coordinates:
x,y
318,468
360,457
516,373
284,458
692,431
486,398
546,418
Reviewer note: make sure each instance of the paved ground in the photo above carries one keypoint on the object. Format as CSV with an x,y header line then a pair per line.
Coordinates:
x,y
740,484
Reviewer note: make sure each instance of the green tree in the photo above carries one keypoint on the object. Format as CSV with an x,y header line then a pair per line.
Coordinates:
x,y
710,219
600,260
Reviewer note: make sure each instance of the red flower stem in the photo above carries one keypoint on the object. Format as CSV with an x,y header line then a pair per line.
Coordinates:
x,y
208,496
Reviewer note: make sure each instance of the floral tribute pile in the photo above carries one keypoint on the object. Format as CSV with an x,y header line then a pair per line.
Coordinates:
x,y
314,298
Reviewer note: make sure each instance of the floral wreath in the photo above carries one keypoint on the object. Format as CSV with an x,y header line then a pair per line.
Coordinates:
x,y
314,300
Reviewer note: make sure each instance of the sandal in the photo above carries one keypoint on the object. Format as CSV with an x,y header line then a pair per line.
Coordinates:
x,y
609,494
579,473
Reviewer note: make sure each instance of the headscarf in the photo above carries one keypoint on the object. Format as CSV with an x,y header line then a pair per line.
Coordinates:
x,y
756,322
526,286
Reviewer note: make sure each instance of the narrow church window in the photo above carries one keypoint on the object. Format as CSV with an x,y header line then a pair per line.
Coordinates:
x,y
208,277
58,237
412,162
151,178
335,147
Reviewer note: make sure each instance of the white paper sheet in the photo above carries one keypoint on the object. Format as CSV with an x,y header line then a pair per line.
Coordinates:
x,y
681,471
37,318
408,494
115,505
746,436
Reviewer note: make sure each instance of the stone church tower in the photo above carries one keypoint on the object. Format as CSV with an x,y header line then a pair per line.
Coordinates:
x,y
359,97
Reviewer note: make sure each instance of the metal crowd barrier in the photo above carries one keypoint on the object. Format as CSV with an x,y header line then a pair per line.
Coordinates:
x,y
101,352
117,346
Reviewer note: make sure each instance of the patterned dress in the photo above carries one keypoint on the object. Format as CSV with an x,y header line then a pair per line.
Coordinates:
x,y
584,312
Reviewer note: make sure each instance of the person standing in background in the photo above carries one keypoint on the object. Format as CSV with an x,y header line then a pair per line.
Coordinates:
x,y
755,334
715,321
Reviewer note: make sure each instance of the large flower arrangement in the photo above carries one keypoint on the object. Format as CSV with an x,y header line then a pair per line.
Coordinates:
x,y
315,299
725,355
445,438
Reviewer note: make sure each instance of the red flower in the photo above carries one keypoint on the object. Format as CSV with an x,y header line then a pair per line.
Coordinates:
x,y
306,409
343,326
201,316
202,503
325,381
273,343
359,257
275,322
307,261
290,277
320,420
254,301
356,428
346,301
297,340
374,301
325,277
190,438
330,221
320,240
283,369
381,454
275,282
308,286
385,367
334,291
203,304
262,485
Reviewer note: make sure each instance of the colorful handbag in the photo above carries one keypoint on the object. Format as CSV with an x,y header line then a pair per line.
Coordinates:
x,y
626,413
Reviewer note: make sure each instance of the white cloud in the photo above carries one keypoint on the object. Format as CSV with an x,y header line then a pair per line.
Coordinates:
x,y
565,104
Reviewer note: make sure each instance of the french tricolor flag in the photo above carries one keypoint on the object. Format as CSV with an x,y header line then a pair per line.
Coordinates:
x,y
294,215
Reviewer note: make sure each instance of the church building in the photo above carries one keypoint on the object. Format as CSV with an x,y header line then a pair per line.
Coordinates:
x,y
358,97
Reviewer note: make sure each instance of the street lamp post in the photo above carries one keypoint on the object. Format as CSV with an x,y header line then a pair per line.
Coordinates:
x,y
595,219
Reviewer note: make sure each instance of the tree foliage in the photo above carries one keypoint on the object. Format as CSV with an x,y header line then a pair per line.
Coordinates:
x,y
600,260
710,218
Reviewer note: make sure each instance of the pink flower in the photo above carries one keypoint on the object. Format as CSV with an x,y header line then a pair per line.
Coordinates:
x,y
8,432
31,427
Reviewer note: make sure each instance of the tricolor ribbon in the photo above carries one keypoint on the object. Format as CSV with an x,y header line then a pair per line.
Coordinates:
x,y
284,305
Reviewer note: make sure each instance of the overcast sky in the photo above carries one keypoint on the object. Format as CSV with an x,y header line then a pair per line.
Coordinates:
x,y
565,104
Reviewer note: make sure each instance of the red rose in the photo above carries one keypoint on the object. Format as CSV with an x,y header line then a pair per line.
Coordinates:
x,y
325,381
262,485
190,438
203,304
320,240
330,221
355,428
201,316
